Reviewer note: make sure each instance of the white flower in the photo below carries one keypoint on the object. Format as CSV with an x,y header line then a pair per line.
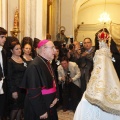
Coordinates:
x,y
58,62
113,59
25,64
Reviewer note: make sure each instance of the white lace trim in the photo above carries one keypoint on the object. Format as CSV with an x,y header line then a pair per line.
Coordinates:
x,y
1,89
103,44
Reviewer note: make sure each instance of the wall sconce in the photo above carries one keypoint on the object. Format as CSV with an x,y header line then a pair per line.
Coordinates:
x,y
104,17
15,30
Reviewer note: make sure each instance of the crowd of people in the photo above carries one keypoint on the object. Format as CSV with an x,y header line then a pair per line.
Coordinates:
x,y
39,77
15,57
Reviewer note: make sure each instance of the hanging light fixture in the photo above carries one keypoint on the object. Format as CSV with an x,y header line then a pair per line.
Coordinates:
x,y
104,17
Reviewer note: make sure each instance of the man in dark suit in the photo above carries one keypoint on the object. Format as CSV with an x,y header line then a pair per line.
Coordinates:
x,y
87,62
3,72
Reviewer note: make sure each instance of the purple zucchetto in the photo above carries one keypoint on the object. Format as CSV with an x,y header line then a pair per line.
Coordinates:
x,y
42,42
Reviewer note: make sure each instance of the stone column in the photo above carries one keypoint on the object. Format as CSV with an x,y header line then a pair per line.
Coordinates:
x,y
0,11
35,18
27,18
41,18
3,14
21,19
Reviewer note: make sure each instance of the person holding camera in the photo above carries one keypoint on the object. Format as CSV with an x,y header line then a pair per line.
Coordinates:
x,y
71,52
69,75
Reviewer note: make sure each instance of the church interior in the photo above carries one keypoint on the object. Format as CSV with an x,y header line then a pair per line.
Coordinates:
x,y
43,19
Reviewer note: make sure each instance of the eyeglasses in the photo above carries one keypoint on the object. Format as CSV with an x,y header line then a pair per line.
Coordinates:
x,y
2,36
53,47
87,42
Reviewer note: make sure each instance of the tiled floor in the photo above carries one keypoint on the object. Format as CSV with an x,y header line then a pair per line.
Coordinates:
x,y
68,115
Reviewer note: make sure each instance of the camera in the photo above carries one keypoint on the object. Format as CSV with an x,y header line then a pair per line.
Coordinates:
x,y
71,46
67,79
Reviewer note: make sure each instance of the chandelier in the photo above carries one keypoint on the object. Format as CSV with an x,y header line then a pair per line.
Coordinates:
x,y
104,17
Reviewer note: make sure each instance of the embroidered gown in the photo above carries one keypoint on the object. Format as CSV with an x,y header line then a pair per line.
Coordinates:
x,y
101,100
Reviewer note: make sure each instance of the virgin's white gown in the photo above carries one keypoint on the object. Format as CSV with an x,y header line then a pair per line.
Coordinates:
x,y
87,111
101,100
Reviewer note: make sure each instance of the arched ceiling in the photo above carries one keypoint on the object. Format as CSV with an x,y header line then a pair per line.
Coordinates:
x,y
86,3
82,4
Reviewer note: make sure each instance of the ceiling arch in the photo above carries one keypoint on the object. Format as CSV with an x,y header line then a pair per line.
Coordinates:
x,y
83,4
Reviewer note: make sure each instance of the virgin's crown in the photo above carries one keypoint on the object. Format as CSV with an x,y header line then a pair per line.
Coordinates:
x,y
103,36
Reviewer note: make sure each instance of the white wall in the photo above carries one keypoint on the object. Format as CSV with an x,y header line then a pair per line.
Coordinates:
x,y
0,12
12,6
89,16
3,13
32,17
67,16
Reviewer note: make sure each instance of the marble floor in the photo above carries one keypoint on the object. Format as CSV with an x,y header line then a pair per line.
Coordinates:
x,y
68,115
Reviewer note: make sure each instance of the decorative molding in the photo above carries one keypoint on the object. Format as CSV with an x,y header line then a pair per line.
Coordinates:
x,y
93,27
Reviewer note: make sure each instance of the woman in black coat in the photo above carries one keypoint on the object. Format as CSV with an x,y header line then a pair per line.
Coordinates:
x,y
16,69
